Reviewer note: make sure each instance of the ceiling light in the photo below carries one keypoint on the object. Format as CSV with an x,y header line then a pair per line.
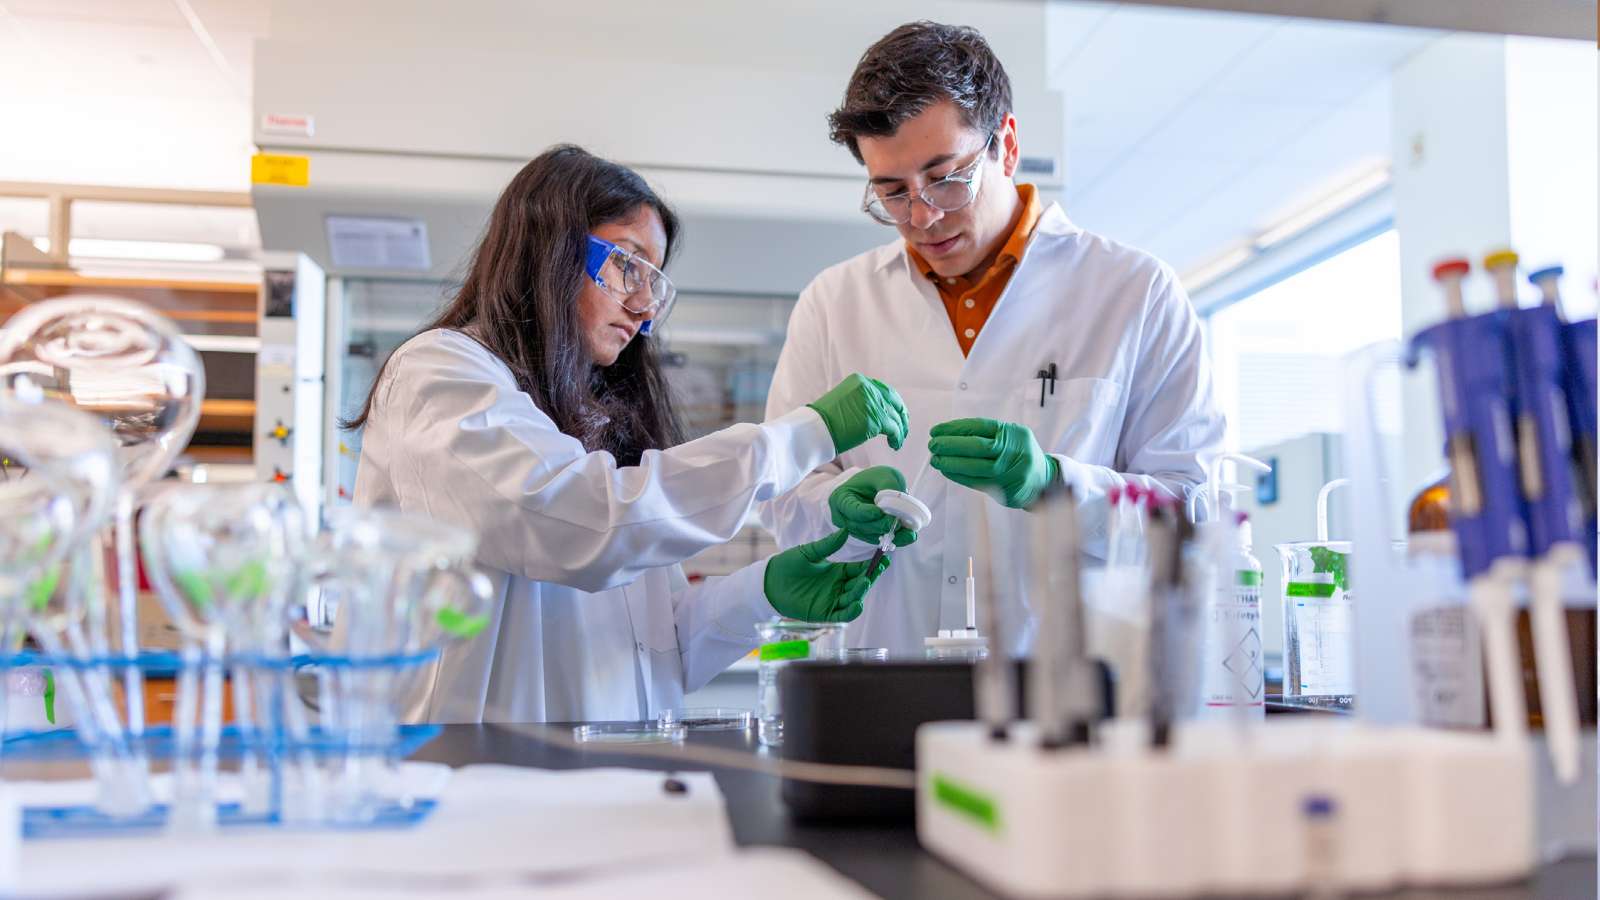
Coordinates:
x,y
1196,279
155,251
1317,212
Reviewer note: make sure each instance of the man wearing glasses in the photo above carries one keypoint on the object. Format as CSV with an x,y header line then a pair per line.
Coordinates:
x,y
1027,350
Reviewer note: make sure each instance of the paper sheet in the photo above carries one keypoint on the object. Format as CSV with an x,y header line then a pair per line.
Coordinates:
x,y
492,822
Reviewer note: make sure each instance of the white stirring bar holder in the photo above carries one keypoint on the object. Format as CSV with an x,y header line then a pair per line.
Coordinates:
x,y
1280,809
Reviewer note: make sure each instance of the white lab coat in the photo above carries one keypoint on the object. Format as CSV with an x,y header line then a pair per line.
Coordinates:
x,y
594,619
1132,403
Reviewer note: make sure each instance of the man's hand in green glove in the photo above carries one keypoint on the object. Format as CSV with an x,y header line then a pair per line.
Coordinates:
x,y
800,583
859,409
854,510
999,458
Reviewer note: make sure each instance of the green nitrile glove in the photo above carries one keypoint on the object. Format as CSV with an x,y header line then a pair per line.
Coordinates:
x,y
801,584
853,509
859,409
1001,459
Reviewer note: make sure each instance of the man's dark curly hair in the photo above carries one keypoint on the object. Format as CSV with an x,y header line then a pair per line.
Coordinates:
x,y
913,67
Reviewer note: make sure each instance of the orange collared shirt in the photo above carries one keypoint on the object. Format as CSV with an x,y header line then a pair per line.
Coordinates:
x,y
969,301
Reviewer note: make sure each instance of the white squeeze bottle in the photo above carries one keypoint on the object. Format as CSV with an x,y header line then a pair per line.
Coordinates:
x,y
1234,683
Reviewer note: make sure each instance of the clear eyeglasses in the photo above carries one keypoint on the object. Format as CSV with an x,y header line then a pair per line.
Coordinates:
x,y
947,194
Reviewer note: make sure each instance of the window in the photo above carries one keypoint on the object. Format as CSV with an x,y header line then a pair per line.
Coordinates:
x,y
1278,355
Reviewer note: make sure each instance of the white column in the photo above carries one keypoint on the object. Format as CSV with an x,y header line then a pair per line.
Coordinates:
x,y
1451,195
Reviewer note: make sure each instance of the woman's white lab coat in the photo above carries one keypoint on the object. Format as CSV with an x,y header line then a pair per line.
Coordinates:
x,y
595,619
1131,403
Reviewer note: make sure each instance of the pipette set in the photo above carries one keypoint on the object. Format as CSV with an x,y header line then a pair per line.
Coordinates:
x,y
97,397
1057,803
1518,409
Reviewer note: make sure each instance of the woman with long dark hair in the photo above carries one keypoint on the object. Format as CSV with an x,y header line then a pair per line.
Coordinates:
x,y
533,410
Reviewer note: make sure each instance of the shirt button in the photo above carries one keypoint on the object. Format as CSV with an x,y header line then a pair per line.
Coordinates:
x,y
963,385
952,579
949,281
970,334
641,646
971,303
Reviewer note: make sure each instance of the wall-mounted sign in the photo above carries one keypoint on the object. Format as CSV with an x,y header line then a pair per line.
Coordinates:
x,y
278,168
372,242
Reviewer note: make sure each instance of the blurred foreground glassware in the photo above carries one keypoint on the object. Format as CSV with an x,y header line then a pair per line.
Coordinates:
x,y
130,367
43,442
225,561
402,585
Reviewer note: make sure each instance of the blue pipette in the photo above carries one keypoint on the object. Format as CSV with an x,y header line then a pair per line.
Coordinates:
x,y
1549,502
1474,378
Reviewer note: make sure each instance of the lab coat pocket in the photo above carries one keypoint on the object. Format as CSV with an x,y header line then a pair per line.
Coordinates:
x,y
1081,419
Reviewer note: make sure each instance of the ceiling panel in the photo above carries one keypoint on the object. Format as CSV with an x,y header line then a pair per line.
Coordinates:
x,y
1233,128
252,16
1327,62
1131,202
1355,130
111,59
1190,131
1142,67
134,12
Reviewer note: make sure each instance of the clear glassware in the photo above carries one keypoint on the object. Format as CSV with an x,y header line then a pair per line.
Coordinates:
x,y
782,642
44,441
225,561
130,367
1317,623
401,585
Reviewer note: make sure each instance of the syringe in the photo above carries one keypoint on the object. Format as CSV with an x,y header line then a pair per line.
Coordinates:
x,y
911,512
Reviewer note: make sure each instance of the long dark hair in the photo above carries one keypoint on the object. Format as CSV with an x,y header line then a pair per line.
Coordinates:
x,y
520,301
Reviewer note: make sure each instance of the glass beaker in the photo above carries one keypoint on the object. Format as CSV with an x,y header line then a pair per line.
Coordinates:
x,y
782,642
1317,622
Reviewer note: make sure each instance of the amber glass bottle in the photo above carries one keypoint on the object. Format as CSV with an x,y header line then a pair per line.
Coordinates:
x,y
1430,511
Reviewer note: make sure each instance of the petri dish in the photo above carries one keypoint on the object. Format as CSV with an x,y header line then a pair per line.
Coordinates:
x,y
629,733
707,718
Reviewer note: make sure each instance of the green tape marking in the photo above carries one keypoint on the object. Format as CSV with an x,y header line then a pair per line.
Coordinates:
x,y
40,592
1308,589
785,650
978,807
458,623
1248,577
49,696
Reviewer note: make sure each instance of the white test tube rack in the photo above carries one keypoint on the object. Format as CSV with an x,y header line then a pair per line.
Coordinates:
x,y
1219,812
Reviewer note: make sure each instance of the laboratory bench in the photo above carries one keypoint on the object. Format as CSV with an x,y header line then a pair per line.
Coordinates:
x,y
884,858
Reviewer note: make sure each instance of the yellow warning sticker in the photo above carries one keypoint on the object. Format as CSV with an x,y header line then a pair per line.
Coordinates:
x,y
277,168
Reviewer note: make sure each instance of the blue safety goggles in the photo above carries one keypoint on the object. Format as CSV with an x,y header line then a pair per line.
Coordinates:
x,y
637,285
